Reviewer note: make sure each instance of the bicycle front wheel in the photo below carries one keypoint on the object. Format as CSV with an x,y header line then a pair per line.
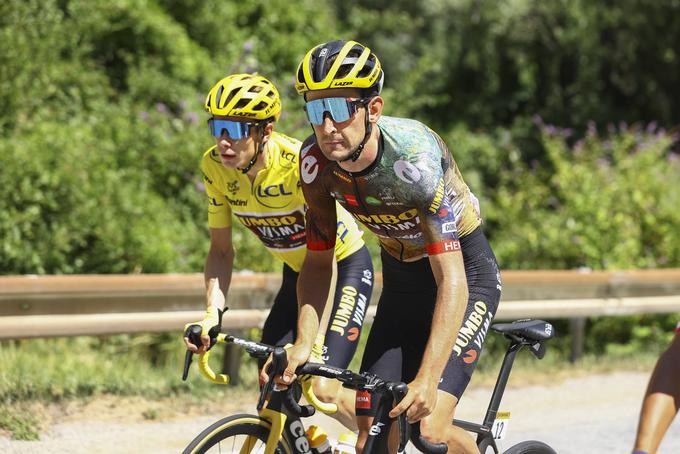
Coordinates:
x,y
238,434
530,447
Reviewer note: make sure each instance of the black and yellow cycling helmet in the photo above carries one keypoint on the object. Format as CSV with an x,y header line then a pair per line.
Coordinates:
x,y
340,64
249,96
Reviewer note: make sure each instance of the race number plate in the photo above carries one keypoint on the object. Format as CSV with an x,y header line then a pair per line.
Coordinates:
x,y
500,425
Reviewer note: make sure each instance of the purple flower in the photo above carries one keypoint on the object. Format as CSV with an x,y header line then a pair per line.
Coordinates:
x,y
651,127
578,147
182,104
144,115
191,117
199,186
248,45
162,108
550,130
592,129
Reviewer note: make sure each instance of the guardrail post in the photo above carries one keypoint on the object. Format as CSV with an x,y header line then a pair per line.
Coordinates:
x,y
577,327
231,363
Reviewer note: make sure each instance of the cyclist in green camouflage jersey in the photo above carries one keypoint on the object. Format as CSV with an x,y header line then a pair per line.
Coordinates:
x,y
441,283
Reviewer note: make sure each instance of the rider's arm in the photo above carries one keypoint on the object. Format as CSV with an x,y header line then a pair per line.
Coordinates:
x,y
439,228
316,273
312,289
220,260
452,296
218,270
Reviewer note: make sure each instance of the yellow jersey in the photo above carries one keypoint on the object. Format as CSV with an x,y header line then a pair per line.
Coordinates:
x,y
272,206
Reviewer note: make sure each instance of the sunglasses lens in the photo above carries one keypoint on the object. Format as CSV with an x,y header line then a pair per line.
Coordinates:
x,y
339,109
234,129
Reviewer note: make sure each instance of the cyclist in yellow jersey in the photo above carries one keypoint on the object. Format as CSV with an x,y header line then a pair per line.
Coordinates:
x,y
252,174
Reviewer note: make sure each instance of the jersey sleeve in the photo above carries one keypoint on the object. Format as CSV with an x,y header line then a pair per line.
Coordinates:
x,y
219,211
320,217
432,198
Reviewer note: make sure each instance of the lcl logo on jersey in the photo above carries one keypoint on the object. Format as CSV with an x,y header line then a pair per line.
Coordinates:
x,y
273,196
309,169
274,190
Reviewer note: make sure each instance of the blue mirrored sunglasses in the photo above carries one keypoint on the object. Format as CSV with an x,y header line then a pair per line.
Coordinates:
x,y
236,130
340,109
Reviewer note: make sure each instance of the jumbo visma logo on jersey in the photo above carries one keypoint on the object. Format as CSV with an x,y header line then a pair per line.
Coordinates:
x,y
398,222
276,231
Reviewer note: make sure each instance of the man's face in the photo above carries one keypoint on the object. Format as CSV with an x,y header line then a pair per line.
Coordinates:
x,y
338,140
235,153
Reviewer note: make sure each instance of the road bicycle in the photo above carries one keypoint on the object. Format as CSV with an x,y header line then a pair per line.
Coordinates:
x,y
278,426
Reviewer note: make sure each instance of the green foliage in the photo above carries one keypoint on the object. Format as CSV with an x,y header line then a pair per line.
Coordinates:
x,y
101,129
603,203
21,427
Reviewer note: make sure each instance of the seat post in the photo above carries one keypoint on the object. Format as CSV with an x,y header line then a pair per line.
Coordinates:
x,y
502,380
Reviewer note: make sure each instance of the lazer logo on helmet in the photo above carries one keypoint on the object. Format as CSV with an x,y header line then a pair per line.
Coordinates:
x,y
243,114
341,84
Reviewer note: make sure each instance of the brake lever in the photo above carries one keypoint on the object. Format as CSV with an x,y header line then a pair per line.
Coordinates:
x,y
276,367
187,363
398,392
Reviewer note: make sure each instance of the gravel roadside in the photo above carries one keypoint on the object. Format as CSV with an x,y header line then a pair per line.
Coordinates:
x,y
591,414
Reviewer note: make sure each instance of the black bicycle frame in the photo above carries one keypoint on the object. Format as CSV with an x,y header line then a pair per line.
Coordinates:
x,y
483,431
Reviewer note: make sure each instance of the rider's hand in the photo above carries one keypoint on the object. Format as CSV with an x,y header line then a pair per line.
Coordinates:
x,y
419,401
211,324
297,354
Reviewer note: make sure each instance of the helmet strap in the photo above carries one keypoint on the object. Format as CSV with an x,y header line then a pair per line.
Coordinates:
x,y
367,126
259,143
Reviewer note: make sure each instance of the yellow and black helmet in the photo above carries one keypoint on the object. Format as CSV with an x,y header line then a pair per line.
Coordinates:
x,y
340,64
248,96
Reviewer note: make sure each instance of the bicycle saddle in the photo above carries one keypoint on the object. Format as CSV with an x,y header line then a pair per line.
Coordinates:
x,y
528,330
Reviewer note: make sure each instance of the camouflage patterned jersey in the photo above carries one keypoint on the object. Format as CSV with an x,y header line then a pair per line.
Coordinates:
x,y
412,196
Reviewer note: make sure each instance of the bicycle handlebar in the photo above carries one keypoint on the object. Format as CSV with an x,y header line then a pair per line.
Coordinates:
x,y
349,379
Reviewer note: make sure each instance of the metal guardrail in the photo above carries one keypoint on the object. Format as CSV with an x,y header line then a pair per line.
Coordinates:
x,y
45,306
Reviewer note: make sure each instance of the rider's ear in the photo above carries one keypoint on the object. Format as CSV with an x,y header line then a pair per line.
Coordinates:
x,y
375,107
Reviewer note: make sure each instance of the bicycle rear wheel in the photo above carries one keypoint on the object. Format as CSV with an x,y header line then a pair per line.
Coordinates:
x,y
530,447
244,434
